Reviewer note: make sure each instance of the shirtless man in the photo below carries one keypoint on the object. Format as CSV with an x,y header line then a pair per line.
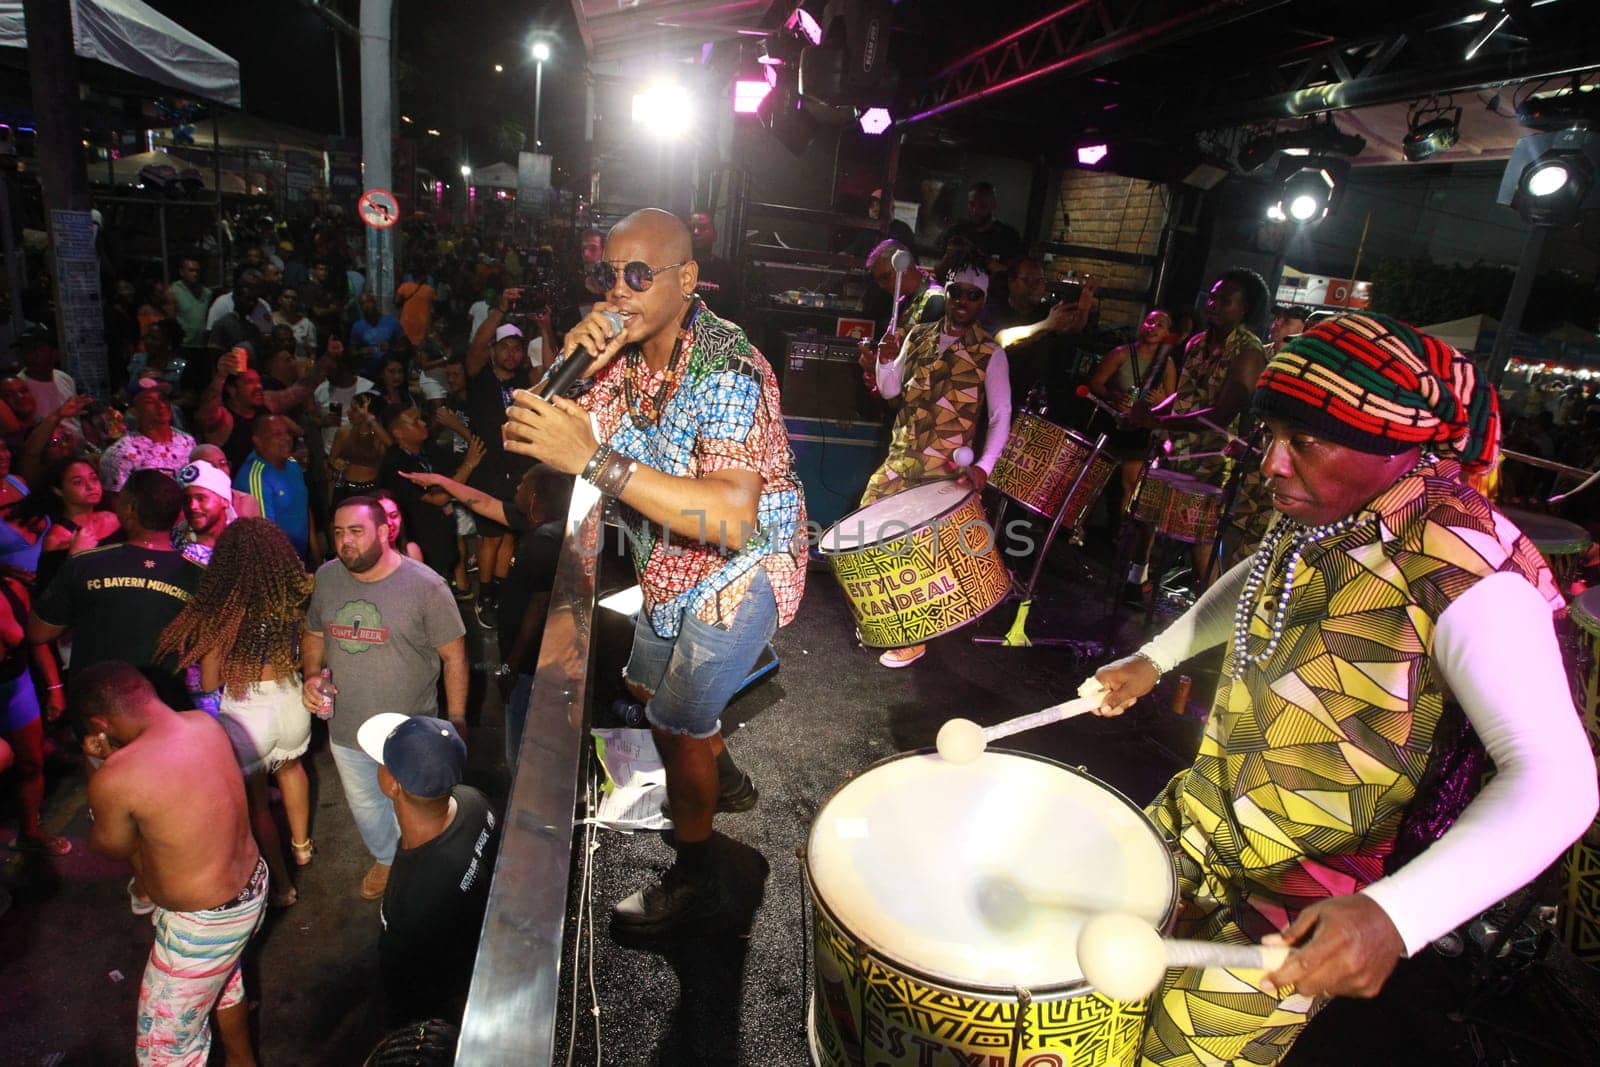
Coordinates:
x,y
170,800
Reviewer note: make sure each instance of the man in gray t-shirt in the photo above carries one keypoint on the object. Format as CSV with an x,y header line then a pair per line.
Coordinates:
x,y
379,629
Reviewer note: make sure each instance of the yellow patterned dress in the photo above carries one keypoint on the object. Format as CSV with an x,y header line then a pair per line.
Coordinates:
x,y
1312,755
943,401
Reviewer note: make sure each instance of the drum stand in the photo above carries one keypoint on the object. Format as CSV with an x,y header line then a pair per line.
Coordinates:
x,y
1017,635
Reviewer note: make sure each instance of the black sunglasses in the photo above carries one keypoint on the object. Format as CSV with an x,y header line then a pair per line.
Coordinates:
x,y
638,274
964,292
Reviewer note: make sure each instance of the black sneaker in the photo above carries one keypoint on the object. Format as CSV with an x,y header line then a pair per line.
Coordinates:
x,y
487,610
678,903
1136,594
741,797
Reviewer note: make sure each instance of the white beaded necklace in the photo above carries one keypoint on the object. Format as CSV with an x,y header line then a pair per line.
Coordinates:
x,y
1261,567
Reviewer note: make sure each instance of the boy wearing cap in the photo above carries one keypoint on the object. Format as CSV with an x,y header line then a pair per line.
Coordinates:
x,y
432,910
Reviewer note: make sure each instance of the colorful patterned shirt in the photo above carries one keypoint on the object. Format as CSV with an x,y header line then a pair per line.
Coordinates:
x,y
943,396
1311,759
723,414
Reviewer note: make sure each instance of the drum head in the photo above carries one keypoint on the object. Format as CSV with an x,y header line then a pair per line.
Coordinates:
x,y
895,516
982,874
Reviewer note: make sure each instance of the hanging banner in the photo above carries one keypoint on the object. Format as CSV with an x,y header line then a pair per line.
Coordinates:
x,y
83,328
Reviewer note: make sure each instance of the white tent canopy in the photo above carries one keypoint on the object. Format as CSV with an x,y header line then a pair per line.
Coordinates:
x,y
134,37
495,176
1463,333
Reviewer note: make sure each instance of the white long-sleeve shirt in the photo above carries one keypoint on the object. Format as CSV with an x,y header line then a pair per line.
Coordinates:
x,y
996,396
1495,648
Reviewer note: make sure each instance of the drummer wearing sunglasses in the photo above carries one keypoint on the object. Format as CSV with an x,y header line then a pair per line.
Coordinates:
x,y
682,424
942,378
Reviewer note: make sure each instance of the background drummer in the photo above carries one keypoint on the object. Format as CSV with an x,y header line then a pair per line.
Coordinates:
x,y
1220,368
940,380
1314,809
1140,372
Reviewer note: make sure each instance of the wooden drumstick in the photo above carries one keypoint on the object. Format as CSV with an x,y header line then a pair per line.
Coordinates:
x,y
962,740
1124,957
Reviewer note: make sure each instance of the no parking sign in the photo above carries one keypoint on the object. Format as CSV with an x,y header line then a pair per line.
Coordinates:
x,y
378,208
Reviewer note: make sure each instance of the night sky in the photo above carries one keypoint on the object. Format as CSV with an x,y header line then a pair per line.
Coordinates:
x,y
447,54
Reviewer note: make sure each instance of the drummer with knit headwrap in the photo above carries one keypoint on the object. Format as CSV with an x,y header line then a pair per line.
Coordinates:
x,y
942,379
1388,607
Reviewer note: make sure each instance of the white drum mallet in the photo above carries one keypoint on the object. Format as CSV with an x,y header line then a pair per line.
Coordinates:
x,y
962,457
962,740
1124,957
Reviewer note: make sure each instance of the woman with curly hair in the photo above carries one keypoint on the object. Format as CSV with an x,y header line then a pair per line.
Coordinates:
x,y
243,629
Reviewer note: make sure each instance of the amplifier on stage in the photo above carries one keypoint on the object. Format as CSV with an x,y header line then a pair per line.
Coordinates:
x,y
822,379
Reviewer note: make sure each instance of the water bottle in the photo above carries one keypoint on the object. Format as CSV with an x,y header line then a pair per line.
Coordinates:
x,y
328,693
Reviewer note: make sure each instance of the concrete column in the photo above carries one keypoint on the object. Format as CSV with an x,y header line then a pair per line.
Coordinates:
x,y
377,136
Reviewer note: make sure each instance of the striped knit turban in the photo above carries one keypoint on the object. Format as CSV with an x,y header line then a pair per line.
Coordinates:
x,y
1375,384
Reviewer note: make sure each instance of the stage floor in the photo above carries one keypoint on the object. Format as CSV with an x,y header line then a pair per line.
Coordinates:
x,y
831,711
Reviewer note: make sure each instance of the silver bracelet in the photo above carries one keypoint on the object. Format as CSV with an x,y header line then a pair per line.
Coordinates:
x,y
1160,672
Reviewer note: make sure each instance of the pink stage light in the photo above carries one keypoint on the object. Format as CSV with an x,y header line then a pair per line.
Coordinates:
x,y
875,120
1091,154
805,24
747,95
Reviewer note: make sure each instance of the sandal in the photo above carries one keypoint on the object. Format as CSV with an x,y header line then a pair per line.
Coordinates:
x,y
303,851
44,845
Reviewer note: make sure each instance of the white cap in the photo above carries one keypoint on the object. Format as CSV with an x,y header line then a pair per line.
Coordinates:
x,y
507,329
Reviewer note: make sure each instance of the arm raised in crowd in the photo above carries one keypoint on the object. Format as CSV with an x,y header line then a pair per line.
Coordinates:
x,y
483,341
491,508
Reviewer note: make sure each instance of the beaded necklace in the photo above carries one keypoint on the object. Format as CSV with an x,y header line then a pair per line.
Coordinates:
x,y
1261,568
652,405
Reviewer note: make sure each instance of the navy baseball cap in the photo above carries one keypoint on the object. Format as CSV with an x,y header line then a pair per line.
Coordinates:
x,y
425,755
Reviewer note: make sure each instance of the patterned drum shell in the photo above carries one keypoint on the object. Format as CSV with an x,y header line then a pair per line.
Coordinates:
x,y
911,969
917,564
1178,505
1041,461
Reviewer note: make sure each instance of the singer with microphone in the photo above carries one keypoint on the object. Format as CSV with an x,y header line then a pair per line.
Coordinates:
x,y
682,425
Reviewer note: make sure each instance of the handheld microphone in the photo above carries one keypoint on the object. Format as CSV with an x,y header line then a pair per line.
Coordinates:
x,y
577,365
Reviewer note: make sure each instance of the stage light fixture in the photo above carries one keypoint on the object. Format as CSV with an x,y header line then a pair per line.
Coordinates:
x,y
1306,194
874,120
748,94
1427,136
1551,177
1090,155
804,24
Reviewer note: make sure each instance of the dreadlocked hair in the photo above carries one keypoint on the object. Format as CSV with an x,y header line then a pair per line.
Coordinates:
x,y
250,607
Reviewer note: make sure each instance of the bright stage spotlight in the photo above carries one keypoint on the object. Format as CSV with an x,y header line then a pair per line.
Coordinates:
x,y
1306,195
1550,178
664,108
1092,154
875,120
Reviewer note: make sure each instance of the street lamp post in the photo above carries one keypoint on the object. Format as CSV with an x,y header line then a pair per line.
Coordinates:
x,y
541,52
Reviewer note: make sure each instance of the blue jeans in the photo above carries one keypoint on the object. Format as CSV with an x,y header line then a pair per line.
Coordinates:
x,y
374,814
692,677
517,717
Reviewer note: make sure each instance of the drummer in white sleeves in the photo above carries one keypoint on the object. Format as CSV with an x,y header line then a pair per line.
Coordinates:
x,y
1388,607
941,379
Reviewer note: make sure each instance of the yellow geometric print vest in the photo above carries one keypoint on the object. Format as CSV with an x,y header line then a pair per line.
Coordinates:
x,y
1311,757
943,399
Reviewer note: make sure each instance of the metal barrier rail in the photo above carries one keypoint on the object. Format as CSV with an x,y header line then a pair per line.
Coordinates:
x,y
513,1005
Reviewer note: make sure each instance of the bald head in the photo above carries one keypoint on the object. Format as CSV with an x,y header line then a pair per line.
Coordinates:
x,y
661,231
211,454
